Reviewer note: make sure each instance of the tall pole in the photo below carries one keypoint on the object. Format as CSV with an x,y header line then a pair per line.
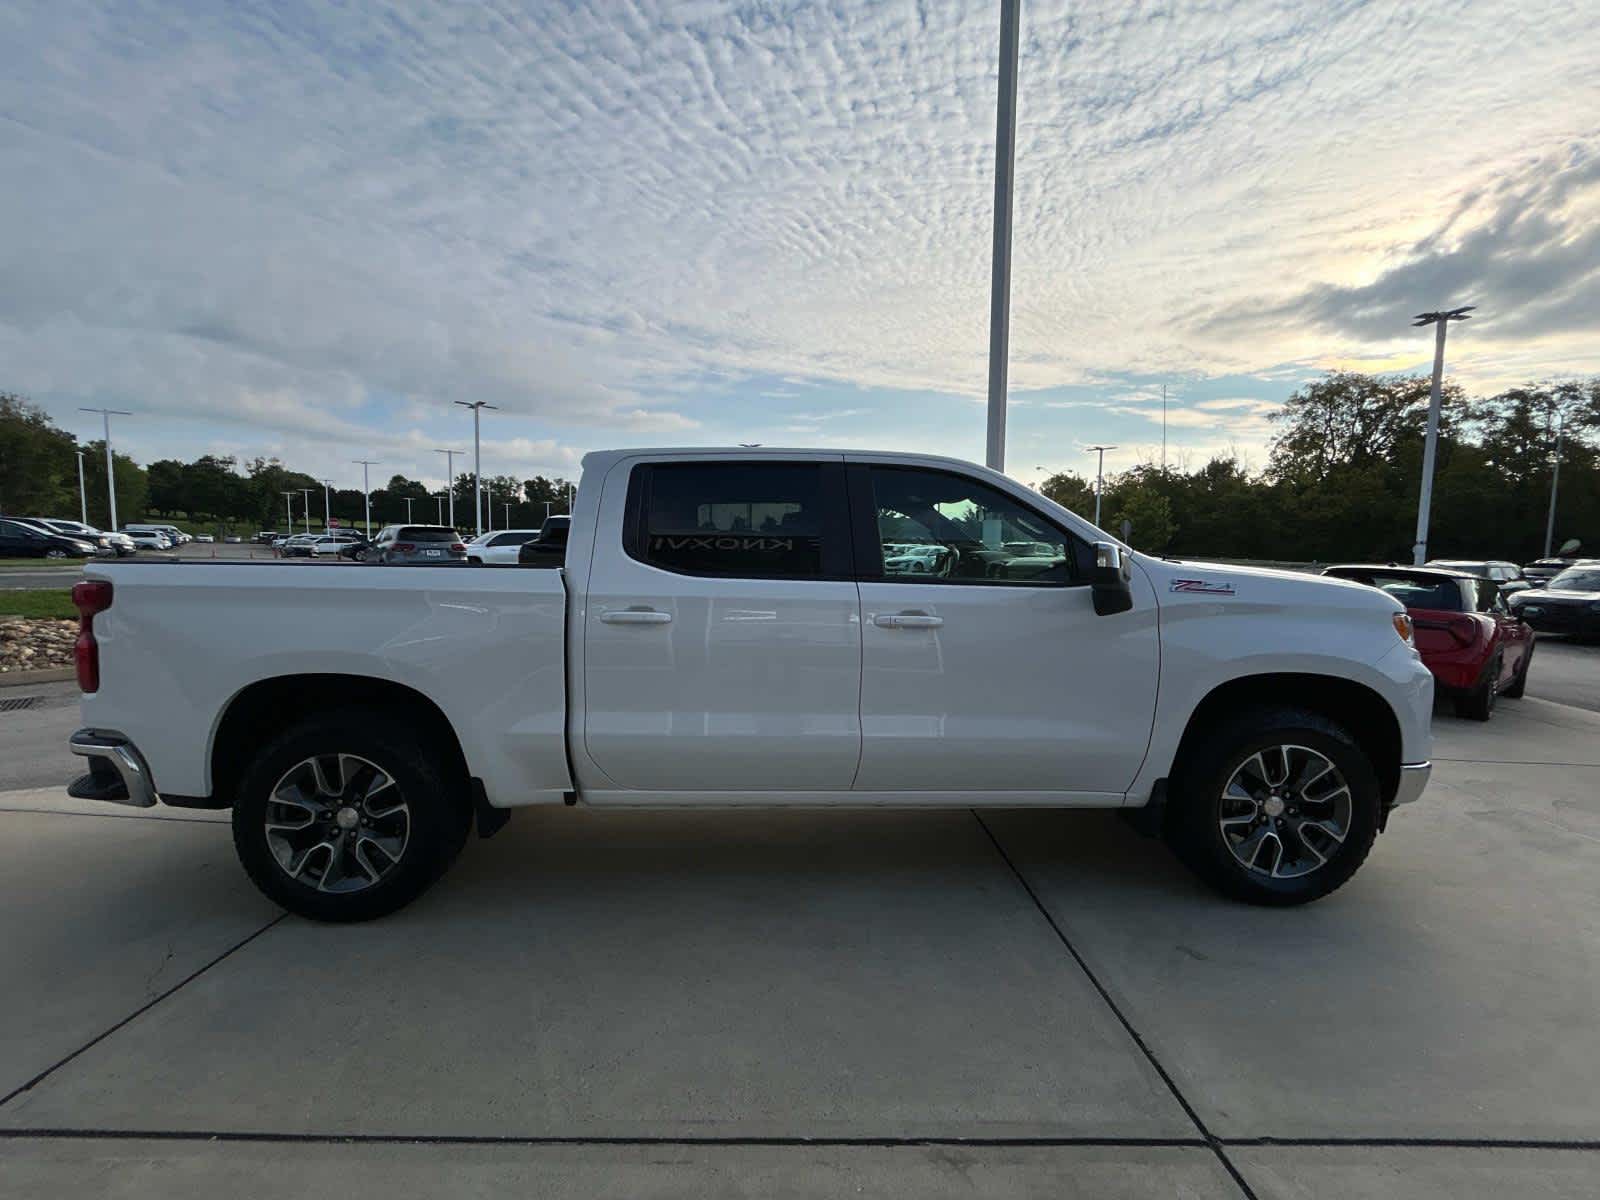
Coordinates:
x,y
408,510
508,516
1163,429
288,509
1555,479
327,512
477,407
305,494
488,504
111,467
83,494
450,479
1430,446
439,501
1099,478
1005,157
366,488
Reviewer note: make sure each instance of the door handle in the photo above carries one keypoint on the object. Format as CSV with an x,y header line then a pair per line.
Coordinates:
x,y
907,620
636,616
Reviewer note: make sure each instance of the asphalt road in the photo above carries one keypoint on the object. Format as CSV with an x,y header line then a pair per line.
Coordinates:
x,y
1566,672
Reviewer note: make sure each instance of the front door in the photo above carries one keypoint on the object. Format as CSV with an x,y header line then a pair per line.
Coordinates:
x,y
722,638
984,666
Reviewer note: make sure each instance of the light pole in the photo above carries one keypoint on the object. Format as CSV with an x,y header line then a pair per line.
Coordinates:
x,y
450,479
366,489
305,494
111,469
439,500
508,516
1005,158
477,407
547,510
83,495
288,509
327,512
1555,479
1430,447
408,510
1099,478
488,504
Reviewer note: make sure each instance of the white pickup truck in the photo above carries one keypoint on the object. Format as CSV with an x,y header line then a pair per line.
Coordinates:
x,y
723,632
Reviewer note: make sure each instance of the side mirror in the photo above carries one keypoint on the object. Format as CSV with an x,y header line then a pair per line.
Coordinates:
x,y
1109,579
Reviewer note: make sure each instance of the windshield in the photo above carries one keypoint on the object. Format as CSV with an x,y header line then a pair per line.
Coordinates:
x,y
1585,580
427,533
1413,589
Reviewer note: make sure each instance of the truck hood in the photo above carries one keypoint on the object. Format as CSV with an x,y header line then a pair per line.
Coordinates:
x,y
1193,582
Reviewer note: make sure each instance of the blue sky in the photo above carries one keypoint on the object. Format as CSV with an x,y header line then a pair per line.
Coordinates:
x,y
305,230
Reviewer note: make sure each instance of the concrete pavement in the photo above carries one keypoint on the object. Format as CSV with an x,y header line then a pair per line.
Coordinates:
x,y
691,1000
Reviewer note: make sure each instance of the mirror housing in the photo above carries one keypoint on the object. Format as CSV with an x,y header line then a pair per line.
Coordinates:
x,y
1110,579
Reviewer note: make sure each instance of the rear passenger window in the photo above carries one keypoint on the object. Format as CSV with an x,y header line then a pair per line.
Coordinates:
x,y
750,520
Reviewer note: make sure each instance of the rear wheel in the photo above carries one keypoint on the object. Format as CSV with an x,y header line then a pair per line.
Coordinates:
x,y
1519,685
1275,806
347,818
1478,704
55,552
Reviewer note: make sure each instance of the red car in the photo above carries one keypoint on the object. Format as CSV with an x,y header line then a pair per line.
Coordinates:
x,y
1476,649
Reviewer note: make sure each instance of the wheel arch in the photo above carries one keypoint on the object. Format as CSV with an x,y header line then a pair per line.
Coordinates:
x,y
259,711
1357,707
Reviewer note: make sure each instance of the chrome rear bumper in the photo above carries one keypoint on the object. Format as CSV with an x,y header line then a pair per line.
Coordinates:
x,y
117,771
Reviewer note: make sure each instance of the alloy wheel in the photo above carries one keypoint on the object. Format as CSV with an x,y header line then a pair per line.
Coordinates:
x,y
1285,811
337,823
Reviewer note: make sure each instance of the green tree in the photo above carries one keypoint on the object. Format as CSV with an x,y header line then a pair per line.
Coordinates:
x,y
38,473
1072,491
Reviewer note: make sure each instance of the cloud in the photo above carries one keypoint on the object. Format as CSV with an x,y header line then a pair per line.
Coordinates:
x,y
622,221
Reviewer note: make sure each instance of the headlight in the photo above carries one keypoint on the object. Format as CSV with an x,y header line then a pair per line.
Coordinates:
x,y
1402,626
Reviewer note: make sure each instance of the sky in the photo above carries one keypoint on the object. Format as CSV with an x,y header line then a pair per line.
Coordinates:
x,y
306,230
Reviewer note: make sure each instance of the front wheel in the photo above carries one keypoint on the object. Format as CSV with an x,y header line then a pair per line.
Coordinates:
x,y
55,552
347,818
1275,806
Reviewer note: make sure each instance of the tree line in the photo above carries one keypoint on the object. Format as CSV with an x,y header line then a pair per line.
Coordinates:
x,y
1344,473
38,477
1341,480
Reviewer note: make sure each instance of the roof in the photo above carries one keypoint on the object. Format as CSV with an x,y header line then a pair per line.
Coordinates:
x,y
1403,569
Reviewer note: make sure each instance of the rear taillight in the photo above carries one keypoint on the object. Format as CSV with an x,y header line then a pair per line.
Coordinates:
x,y
404,547
458,548
89,596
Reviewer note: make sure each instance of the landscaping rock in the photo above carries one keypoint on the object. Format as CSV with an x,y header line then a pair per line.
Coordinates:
x,y
32,645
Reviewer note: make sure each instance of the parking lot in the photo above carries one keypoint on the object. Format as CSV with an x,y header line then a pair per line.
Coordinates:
x,y
893,1003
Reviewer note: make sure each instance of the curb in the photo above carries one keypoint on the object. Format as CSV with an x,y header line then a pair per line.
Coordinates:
x,y
47,675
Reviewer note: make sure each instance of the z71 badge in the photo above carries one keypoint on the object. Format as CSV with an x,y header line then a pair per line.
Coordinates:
x,y
1202,585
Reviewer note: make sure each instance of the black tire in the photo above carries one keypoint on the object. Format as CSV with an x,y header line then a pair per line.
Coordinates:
x,y
358,556
1196,806
55,552
1519,685
438,820
1478,704
474,562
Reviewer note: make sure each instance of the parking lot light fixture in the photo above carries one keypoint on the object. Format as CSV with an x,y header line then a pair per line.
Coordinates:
x,y
327,513
366,487
450,479
439,500
1555,479
477,407
1099,478
83,495
111,468
1430,447
306,495
288,508
408,510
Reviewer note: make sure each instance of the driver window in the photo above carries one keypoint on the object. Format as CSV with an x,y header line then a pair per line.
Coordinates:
x,y
937,527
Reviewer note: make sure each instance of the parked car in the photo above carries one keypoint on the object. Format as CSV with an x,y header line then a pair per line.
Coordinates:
x,y
1569,603
19,539
232,539
417,545
501,546
335,544
206,537
104,547
1542,571
1467,636
724,633
265,537
120,542
174,535
148,539
549,549
298,545
1506,575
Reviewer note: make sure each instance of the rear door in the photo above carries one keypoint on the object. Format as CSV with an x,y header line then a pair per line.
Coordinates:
x,y
722,630
984,666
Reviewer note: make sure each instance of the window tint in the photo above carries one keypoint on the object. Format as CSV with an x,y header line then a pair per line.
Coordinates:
x,y
933,525
511,539
1577,581
1441,594
427,533
752,520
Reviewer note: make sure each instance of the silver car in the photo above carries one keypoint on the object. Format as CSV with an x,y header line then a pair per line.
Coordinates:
x,y
417,545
